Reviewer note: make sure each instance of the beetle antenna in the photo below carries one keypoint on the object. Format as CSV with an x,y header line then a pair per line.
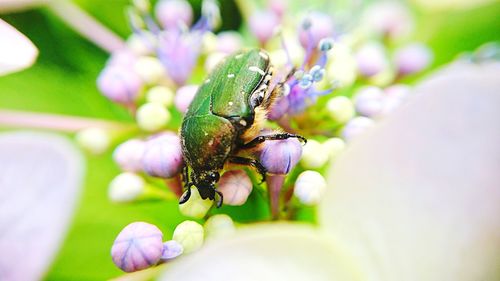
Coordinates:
x,y
221,198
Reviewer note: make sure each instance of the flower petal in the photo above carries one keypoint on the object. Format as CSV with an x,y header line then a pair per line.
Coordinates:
x,y
16,51
418,196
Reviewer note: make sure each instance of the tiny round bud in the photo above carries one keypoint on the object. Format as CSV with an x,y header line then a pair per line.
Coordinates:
x,y
149,69
195,207
213,60
190,235
371,59
310,187
184,96
119,84
174,13
262,24
236,186
369,101
128,155
334,146
219,226
306,81
141,44
94,140
313,155
229,42
163,156
317,73
341,109
281,156
326,44
138,246
161,95
412,58
126,187
356,126
321,26
152,116
209,42
171,250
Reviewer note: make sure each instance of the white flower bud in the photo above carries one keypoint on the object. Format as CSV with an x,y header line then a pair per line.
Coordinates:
x,y
195,207
190,235
313,155
356,126
333,146
126,187
342,65
341,109
310,187
219,226
161,95
94,140
152,116
149,69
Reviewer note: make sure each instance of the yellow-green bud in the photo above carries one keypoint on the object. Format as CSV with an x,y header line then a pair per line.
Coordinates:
x,y
190,235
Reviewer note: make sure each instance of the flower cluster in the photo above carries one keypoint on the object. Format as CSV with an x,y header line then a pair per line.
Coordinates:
x,y
335,84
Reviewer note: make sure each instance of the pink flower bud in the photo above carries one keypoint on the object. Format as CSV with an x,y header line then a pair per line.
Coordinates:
x,y
280,156
315,27
119,84
278,7
172,13
412,58
262,25
184,96
236,186
163,156
171,249
371,59
138,246
128,155
356,126
229,42
369,101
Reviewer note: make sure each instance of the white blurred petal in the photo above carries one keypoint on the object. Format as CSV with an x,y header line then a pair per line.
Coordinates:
x,y
9,6
40,179
418,196
16,51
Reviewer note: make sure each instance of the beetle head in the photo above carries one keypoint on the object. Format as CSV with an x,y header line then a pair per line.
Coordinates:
x,y
205,182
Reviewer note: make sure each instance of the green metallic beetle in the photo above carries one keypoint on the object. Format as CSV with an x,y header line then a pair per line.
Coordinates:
x,y
224,118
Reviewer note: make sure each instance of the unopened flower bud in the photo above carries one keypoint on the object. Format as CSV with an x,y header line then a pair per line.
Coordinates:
x,y
395,95
119,84
219,226
236,186
281,156
174,13
128,155
313,155
171,250
163,156
342,65
149,69
126,187
229,42
142,44
389,18
412,58
321,26
371,59
333,146
190,235
262,25
152,116
138,246
184,96
195,207
356,126
278,7
94,140
310,187
369,101
341,109
161,95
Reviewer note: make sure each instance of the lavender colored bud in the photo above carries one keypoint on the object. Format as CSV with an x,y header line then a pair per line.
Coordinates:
x,y
356,126
306,81
138,246
119,84
174,13
325,44
317,73
389,18
184,96
369,101
278,7
128,155
163,156
321,26
394,97
236,186
279,108
371,59
262,25
229,42
171,250
122,58
412,58
280,156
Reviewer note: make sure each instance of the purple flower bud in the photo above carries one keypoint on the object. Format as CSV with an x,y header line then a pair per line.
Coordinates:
x,y
184,96
412,58
321,26
229,42
171,249
356,126
236,186
163,156
122,58
280,156
119,84
369,101
262,25
138,246
174,13
371,59
128,155
279,109
278,7
394,97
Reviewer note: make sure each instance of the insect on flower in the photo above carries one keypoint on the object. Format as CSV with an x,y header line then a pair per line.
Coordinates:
x,y
225,118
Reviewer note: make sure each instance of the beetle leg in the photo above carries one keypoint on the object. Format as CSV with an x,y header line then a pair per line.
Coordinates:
x,y
260,139
187,194
221,199
249,162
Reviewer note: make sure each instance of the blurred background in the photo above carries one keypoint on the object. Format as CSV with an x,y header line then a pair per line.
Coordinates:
x,y
63,81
